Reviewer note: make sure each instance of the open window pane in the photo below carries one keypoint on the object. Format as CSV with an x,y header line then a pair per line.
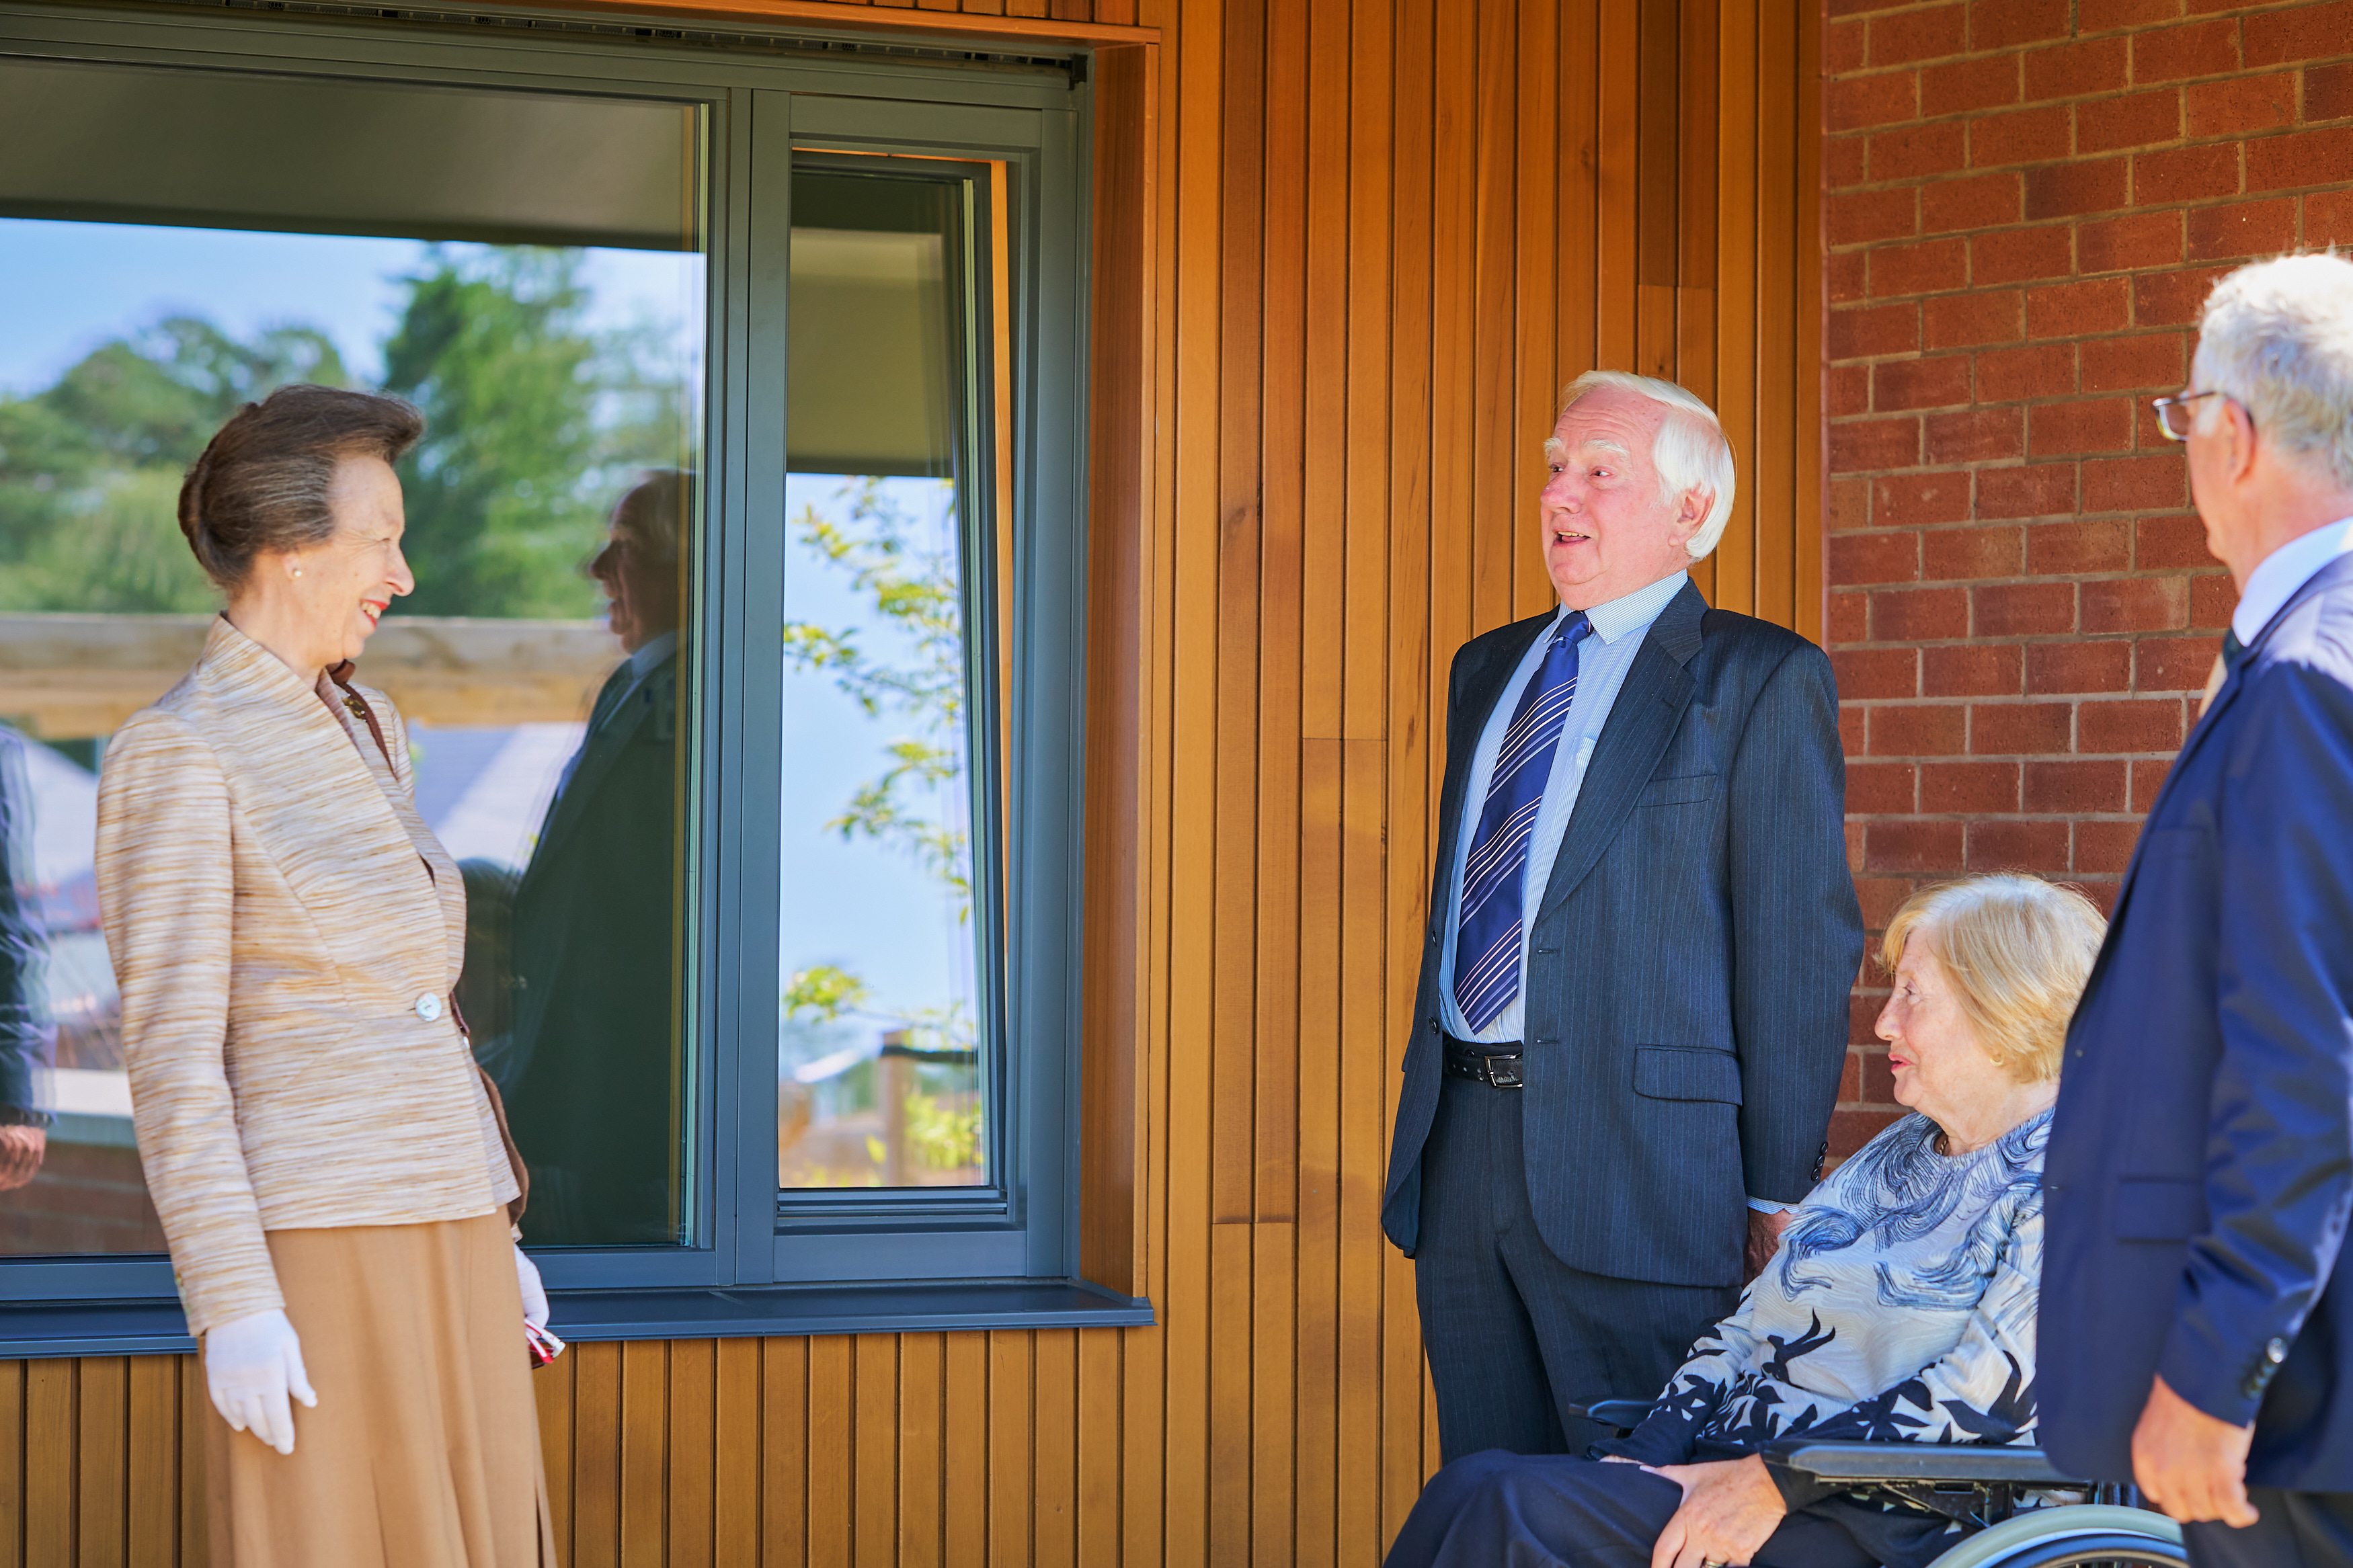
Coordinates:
x,y
890,1065
529,270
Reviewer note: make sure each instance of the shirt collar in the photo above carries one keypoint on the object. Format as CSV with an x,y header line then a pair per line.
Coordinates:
x,y
2278,576
642,662
1634,612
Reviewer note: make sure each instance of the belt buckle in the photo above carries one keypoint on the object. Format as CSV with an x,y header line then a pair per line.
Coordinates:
x,y
1503,1072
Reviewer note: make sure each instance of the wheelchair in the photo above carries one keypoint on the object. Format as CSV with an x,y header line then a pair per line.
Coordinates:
x,y
2014,1509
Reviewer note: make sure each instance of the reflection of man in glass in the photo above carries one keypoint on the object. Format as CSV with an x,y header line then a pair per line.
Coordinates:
x,y
24,1044
588,1078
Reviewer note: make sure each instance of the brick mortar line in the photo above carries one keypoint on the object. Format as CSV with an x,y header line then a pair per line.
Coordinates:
x,y
2100,215
1900,8
2185,144
2147,574
2188,139
1900,530
1870,73
1899,585
2054,280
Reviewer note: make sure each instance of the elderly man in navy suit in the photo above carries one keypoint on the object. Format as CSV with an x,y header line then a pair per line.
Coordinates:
x,y
2197,1314
1633,1013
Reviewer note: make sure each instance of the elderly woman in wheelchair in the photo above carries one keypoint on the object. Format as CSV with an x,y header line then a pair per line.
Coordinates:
x,y
1898,1312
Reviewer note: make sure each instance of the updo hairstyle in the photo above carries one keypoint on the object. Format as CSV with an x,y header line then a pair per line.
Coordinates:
x,y
262,482
2018,951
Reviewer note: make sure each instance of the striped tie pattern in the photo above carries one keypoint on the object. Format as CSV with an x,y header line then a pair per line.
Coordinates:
x,y
1487,943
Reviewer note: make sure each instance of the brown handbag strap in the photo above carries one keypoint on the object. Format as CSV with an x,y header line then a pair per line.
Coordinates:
x,y
341,675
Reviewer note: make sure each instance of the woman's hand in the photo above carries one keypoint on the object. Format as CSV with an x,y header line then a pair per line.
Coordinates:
x,y
534,1294
251,1365
1730,1509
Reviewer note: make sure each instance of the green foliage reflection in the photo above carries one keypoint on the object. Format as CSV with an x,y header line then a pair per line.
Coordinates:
x,y
535,423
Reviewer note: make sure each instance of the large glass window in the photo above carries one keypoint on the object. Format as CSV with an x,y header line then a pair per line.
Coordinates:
x,y
529,270
890,1033
743,674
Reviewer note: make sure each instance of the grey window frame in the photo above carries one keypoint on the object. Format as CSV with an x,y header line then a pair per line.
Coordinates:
x,y
763,1264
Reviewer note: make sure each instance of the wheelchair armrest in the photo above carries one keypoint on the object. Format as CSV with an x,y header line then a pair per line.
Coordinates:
x,y
1625,1415
1865,1463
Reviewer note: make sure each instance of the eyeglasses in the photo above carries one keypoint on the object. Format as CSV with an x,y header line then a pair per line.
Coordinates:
x,y
2174,414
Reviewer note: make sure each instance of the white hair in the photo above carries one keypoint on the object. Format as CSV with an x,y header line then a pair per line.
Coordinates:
x,y
2277,336
1688,450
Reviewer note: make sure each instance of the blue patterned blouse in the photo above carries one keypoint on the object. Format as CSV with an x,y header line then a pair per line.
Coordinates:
x,y
1900,1306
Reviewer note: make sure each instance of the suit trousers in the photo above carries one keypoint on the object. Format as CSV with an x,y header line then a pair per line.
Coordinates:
x,y
2297,1530
1513,1332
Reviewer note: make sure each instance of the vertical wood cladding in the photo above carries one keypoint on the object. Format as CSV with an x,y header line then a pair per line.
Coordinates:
x,y
1348,251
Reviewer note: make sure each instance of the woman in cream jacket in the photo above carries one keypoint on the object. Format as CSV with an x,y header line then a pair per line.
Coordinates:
x,y
330,1169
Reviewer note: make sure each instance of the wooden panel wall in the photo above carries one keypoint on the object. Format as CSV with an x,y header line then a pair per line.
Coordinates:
x,y
1350,250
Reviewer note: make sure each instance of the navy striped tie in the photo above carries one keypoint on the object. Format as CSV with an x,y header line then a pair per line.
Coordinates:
x,y
1487,946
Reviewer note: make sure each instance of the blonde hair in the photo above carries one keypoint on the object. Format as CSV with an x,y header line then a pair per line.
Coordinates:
x,y
2019,951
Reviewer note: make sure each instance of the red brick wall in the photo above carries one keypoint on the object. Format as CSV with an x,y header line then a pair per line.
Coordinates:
x,y
2026,202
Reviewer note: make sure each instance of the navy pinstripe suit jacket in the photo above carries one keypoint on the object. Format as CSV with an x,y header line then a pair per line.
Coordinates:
x,y
1689,959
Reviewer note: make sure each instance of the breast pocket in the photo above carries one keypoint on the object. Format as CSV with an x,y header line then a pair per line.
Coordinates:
x,y
1681,791
1663,1072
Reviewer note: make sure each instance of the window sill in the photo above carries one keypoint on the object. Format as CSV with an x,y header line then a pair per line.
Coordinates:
x,y
30,1328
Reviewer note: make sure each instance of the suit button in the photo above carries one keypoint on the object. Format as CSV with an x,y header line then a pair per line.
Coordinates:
x,y
2275,1352
1434,1022
429,1007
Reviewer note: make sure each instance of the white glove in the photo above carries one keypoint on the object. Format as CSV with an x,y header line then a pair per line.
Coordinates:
x,y
534,1294
251,1364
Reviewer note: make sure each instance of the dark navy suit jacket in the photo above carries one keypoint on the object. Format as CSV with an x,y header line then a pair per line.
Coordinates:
x,y
590,1079
2202,1159
1689,962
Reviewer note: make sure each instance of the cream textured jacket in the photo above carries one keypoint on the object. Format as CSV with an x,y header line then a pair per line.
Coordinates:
x,y
285,961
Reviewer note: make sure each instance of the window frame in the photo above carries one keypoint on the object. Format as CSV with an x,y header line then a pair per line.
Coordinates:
x,y
762,1264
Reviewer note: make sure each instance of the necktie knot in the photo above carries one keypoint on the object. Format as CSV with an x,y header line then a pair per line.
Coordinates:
x,y
2233,650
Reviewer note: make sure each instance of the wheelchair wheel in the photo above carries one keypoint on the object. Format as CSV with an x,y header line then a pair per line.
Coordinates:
x,y
2074,1537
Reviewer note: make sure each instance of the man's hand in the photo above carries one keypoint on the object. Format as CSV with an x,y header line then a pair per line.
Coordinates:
x,y
1764,1240
21,1148
2189,1463
1730,1509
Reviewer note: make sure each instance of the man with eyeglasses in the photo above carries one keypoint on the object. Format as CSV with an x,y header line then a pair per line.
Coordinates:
x,y
2197,1316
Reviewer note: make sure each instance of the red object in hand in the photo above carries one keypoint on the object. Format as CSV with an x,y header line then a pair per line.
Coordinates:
x,y
544,1346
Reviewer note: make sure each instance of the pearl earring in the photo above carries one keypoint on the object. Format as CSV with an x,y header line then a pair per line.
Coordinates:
x,y
298,571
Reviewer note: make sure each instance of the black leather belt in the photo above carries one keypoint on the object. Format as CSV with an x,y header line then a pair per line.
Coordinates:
x,y
1496,1066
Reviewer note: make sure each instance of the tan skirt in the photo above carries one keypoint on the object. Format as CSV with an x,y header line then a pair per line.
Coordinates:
x,y
424,1449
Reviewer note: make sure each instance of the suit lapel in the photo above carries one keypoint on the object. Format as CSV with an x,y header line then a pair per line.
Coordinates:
x,y
599,750
284,755
1642,722
2337,574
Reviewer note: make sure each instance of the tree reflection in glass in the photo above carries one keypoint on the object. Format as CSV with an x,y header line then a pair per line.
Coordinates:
x,y
880,1079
